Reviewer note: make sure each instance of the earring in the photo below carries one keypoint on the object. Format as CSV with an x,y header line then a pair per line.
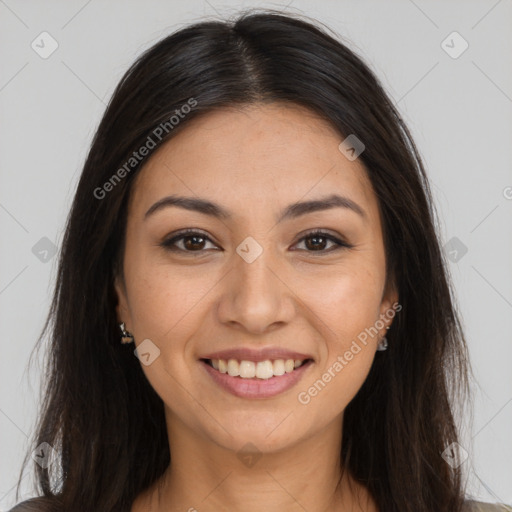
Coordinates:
x,y
126,337
383,344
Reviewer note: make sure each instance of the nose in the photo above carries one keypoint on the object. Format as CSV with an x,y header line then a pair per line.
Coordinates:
x,y
256,297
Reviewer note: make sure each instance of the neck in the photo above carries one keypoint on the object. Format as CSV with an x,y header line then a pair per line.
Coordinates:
x,y
204,476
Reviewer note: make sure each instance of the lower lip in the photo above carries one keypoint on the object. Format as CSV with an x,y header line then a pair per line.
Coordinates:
x,y
257,388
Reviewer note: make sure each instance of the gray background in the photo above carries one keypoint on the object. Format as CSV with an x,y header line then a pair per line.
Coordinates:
x,y
459,111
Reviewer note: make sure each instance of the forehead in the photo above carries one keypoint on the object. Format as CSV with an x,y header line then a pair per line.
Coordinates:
x,y
262,155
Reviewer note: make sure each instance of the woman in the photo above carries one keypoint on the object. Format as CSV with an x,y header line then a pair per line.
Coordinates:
x,y
253,228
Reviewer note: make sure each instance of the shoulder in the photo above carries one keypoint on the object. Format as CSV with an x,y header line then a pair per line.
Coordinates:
x,y
480,506
47,505
41,504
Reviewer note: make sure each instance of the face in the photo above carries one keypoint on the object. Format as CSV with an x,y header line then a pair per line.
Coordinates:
x,y
283,261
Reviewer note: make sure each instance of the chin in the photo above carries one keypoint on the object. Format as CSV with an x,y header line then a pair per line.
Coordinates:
x,y
266,432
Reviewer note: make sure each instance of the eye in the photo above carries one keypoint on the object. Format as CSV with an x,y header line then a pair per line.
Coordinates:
x,y
316,241
188,241
192,241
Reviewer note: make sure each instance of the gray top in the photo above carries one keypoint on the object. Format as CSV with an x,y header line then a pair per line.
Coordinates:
x,y
480,506
38,505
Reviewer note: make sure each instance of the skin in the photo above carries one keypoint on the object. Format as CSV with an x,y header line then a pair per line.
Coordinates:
x,y
298,294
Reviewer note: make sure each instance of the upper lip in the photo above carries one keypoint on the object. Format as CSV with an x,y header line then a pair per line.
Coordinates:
x,y
251,354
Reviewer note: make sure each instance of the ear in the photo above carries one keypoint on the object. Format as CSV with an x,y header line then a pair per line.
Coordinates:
x,y
389,306
122,309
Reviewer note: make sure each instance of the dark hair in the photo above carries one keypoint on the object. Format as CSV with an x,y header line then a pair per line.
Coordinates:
x,y
99,410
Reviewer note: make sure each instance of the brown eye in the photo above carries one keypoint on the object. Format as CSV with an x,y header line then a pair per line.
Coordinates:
x,y
193,242
188,241
319,241
316,242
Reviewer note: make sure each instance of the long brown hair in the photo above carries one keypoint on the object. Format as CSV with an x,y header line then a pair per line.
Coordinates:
x,y
98,409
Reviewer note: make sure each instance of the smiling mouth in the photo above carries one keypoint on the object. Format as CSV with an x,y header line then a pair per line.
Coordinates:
x,y
255,369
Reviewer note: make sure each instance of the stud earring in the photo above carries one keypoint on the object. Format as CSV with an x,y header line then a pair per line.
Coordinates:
x,y
383,344
126,337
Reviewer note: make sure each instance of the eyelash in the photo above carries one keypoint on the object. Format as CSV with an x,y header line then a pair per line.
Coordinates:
x,y
169,244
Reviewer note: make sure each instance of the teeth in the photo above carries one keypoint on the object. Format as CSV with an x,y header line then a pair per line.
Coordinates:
x,y
278,367
247,369
289,365
261,370
233,368
264,369
223,366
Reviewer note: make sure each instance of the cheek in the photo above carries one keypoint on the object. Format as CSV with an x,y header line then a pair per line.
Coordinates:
x,y
165,305
346,299
331,391
345,309
165,301
349,304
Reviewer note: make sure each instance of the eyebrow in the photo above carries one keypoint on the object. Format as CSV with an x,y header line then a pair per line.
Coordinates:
x,y
292,211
